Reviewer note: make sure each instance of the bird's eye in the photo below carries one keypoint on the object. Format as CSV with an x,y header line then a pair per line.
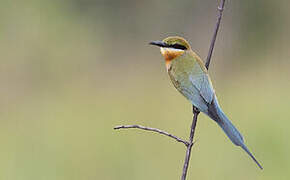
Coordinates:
x,y
178,46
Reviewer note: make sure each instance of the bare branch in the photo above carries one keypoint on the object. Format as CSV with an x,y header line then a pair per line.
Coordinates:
x,y
189,147
154,130
220,9
195,110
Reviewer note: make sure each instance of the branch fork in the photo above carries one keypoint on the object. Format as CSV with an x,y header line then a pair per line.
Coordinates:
x,y
186,143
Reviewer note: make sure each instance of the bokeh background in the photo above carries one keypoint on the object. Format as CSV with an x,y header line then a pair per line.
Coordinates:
x,y
71,70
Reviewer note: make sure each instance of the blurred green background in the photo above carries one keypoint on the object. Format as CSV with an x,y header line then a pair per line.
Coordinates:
x,y
71,70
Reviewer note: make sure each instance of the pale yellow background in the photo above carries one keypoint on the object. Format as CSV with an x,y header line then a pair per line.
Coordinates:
x,y
73,69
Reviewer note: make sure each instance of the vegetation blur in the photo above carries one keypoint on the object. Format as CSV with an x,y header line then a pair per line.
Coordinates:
x,y
71,70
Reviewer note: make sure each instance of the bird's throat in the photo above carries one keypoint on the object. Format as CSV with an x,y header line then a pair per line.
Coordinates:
x,y
170,54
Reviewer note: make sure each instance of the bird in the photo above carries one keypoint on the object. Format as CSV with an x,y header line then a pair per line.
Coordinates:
x,y
190,77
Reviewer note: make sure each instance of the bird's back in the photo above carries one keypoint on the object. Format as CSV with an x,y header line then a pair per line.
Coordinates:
x,y
189,76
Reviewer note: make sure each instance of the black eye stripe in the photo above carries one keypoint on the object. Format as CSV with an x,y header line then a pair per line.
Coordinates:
x,y
166,45
177,46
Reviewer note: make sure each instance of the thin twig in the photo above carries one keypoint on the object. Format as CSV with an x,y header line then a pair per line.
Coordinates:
x,y
195,110
189,147
220,9
154,130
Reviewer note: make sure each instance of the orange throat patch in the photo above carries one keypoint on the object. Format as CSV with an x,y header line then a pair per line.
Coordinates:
x,y
169,54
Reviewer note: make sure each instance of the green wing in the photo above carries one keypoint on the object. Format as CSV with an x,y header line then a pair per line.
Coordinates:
x,y
204,86
189,77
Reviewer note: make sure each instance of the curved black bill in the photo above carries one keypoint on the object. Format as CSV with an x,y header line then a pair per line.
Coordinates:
x,y
163,44
158,43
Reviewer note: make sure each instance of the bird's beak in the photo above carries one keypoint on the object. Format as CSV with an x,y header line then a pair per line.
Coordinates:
x,y
158,43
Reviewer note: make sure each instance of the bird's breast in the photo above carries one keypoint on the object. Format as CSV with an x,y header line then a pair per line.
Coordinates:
x,y
169,54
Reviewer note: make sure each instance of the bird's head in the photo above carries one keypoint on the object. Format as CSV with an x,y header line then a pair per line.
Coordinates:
x,y
172,47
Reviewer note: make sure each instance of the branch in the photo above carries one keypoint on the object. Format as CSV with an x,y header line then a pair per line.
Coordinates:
x,y
195,110
154,130
220,9
189,147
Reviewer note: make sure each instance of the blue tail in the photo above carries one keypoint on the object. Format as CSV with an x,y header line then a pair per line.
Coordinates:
x,y
215,112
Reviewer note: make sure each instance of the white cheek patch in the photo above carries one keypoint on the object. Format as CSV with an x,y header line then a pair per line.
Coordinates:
x,y
171,50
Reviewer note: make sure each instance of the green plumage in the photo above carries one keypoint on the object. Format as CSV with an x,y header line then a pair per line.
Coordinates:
x,y
190,77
